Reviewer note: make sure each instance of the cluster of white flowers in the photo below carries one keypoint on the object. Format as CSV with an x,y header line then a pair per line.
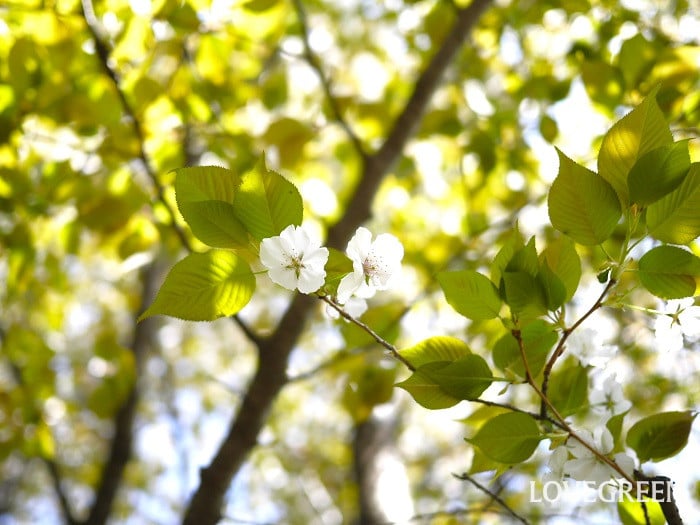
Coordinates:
x,y
580,463
297,261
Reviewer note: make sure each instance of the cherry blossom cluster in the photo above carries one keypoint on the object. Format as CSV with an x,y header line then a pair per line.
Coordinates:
x,y
296,261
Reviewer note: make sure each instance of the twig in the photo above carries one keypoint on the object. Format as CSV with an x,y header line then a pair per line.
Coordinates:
x,y
565,336
315,64
379,339
667,501
68,516
493,496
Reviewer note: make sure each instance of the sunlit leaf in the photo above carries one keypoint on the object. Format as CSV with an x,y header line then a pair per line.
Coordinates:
x,y
568,389
266,202
471,294
640,131
564,261
658,172
214,223
204,287
438,348
538,338
675,218
581,204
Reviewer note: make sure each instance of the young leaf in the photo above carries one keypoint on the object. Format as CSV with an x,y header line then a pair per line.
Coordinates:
x,y
215,224
669,272
568,389
337,267
471,294
508,438
438,348
675,217
525,260
658,172
466,378
505,254
204,287
205,183
266,202
660,436
641,130
631,512
561,256
581,204
538,339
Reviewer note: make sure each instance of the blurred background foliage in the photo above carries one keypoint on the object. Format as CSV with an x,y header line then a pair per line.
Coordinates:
x,y
99,102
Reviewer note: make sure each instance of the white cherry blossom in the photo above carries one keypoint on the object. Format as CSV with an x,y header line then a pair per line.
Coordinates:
x,y
374,264
586,345
586,466
609,400
294,260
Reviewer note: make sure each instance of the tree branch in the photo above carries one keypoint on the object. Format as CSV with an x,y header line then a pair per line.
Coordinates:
x,y
495,497
377,165
270,376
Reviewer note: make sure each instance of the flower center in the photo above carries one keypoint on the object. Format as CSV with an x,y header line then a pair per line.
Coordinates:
x,y
295,262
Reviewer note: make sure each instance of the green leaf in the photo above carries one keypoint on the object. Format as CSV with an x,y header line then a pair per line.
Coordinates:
x,y
660,436
425,391
215,224
568,389
266,202
523,294
561,256
438,348
658,172
204,287
553,287
466,378
669,272
675,218
641,130
525,260
538,339
508,438
581,204
505,254
471,294
205,183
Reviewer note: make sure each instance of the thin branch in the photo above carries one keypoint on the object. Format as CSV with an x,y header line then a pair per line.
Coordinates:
x,y
103,53
378,165
565,336
316,65
493,496
68,516
379,339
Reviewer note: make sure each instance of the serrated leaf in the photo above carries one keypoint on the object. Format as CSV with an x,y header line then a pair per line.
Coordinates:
x,y
266,203
538,339
568,389
505,254
641,130
582,204
660,436
438,348
508,438
205,183
204,287
658,172
471,294
669,272
465,378
215,224
564,261
676,217
525,260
